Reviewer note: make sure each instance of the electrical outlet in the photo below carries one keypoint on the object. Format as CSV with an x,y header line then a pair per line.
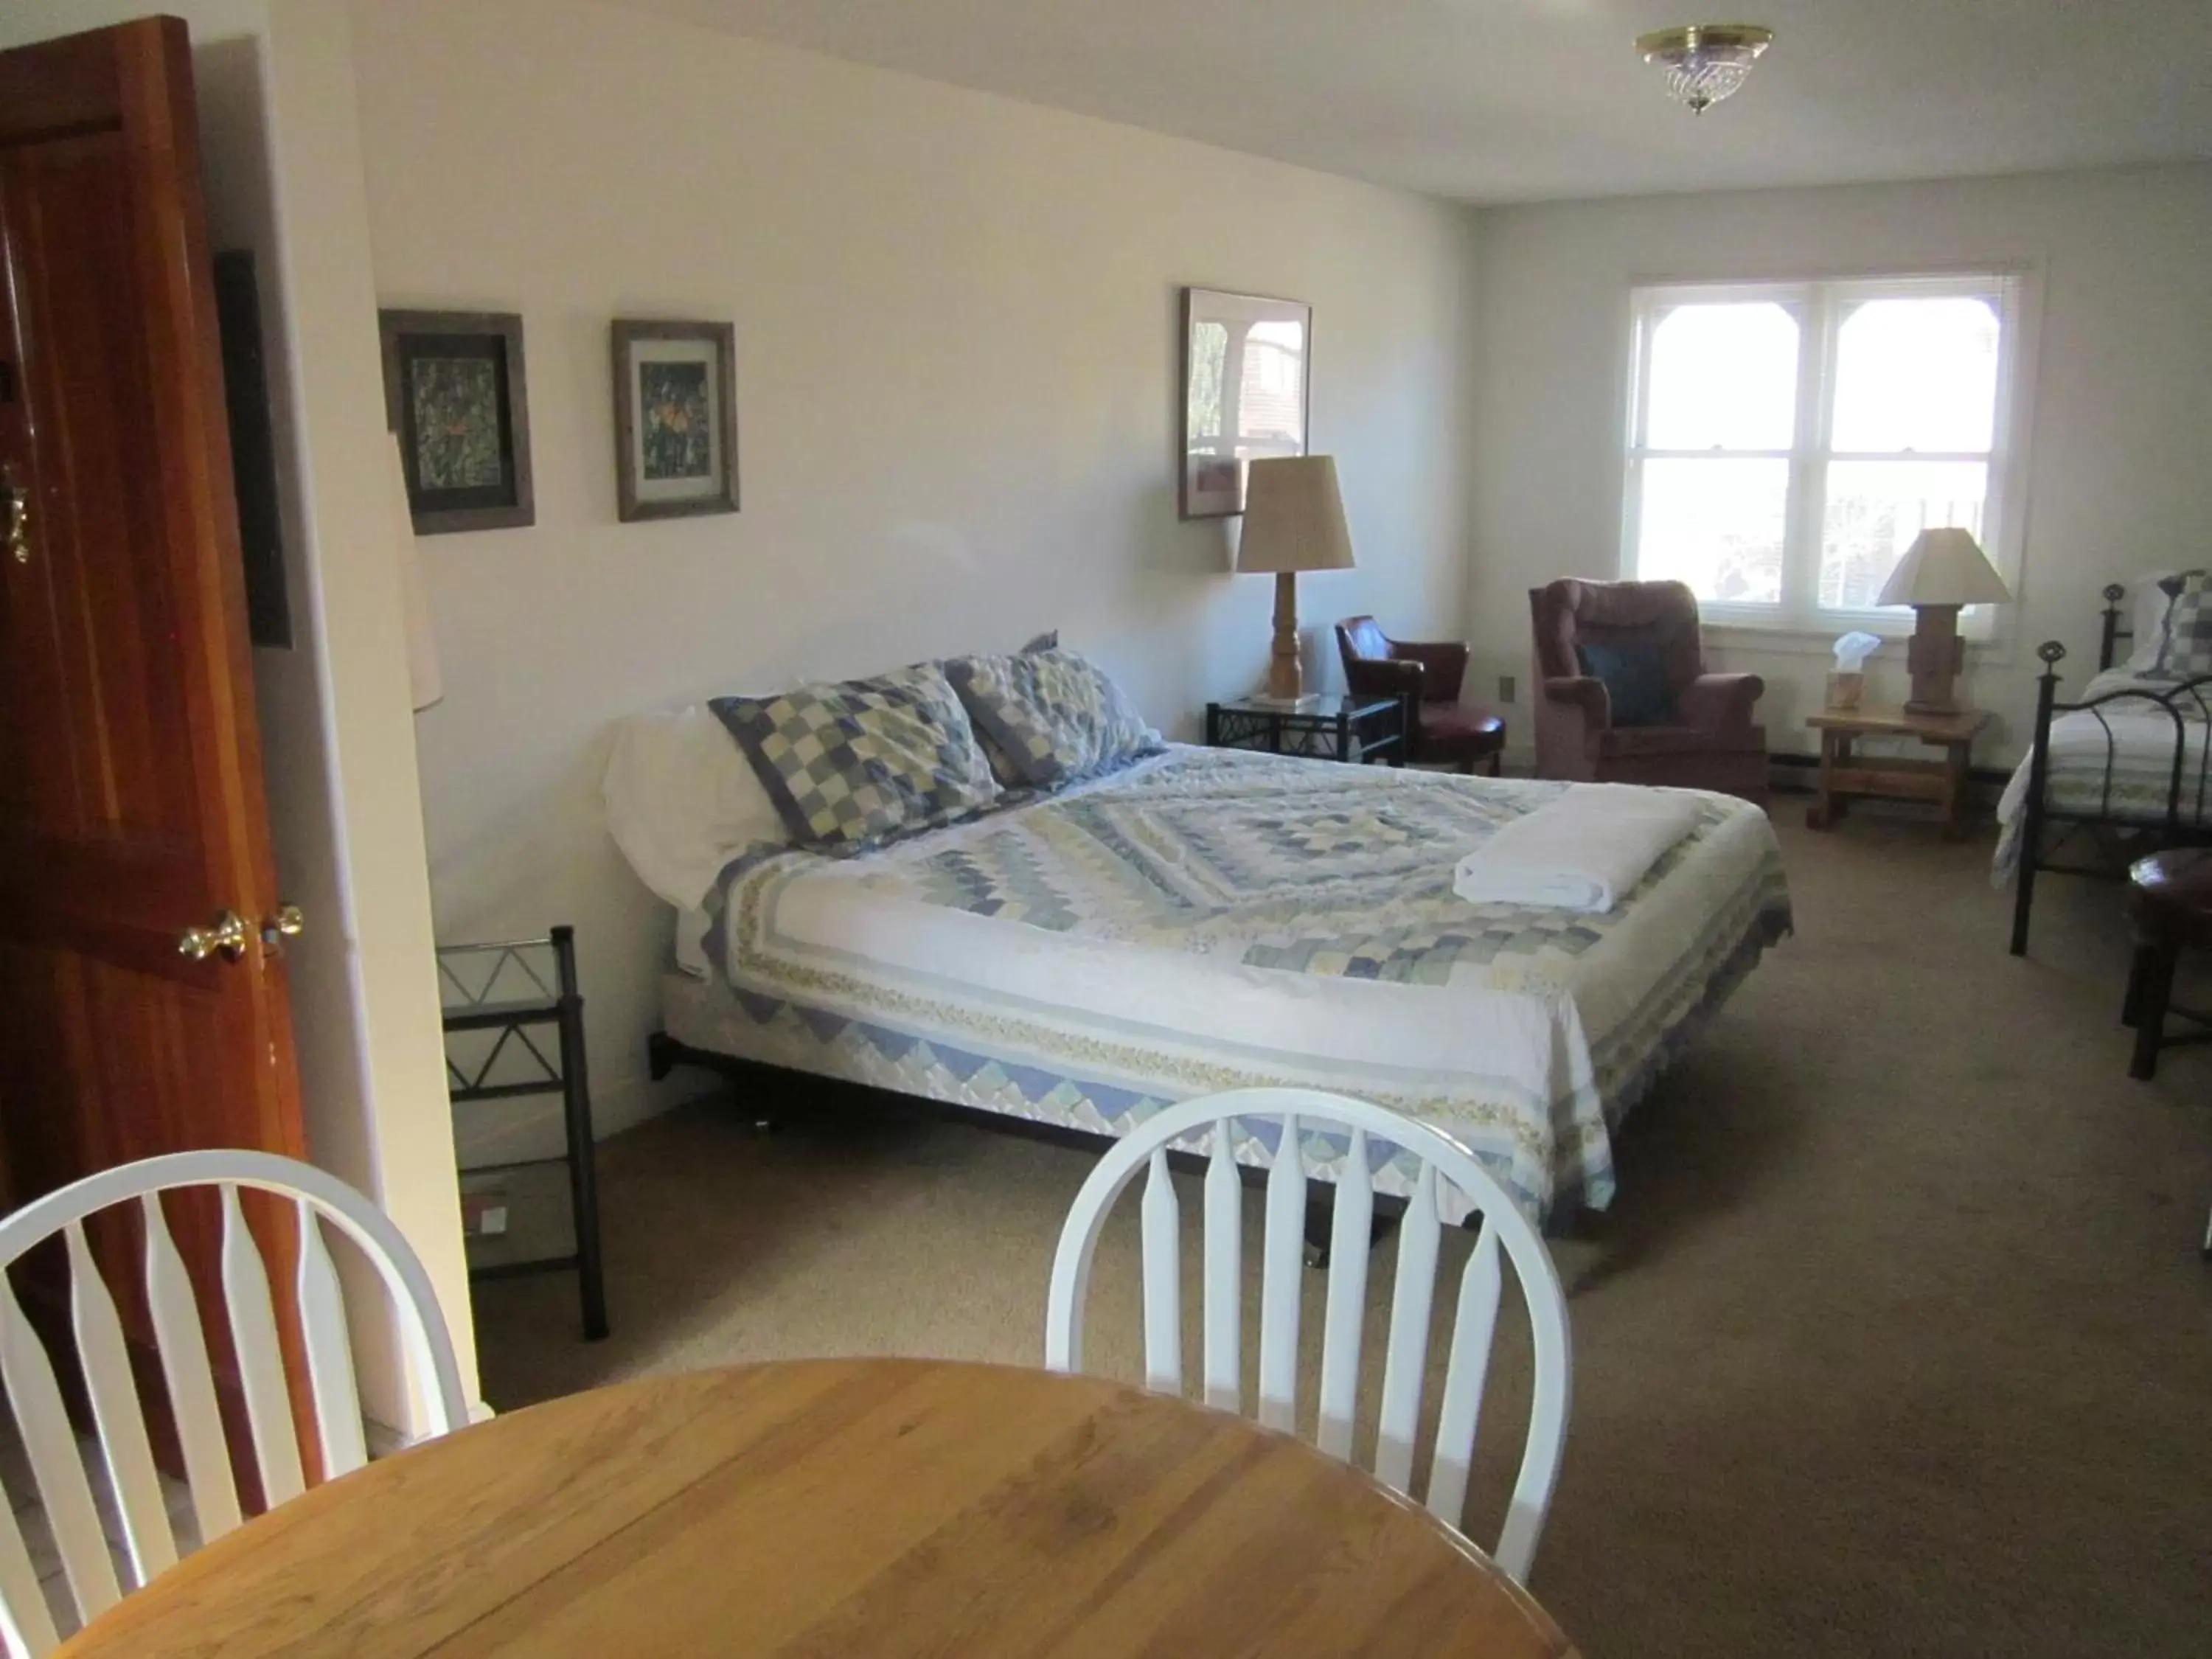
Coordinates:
x,y
1506,688
484,1214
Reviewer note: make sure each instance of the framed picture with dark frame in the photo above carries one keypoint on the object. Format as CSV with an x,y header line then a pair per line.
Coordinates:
x,y
675,418
252,449
455,393
1247,391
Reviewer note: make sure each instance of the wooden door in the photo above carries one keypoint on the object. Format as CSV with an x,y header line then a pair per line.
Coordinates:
x,y
131,805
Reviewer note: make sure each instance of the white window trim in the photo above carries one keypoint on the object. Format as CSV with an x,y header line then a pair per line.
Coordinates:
x,y
1819,302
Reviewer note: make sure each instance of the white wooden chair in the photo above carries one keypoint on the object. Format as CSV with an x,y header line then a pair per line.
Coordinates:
x,y
58,1468
1504,1229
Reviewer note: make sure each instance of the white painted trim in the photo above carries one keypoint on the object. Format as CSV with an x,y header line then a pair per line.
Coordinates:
x,y
1819,303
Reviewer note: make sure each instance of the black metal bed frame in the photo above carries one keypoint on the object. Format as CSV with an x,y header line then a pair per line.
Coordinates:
x,y
2178,830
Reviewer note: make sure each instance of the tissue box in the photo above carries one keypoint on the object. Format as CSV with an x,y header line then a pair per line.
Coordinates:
x,y
1844,690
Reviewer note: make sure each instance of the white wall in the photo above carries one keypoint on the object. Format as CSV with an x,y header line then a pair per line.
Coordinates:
x,y
280,149
955,321
352,802
2119,478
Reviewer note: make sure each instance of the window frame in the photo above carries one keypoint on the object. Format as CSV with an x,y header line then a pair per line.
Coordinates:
x,y
1822,305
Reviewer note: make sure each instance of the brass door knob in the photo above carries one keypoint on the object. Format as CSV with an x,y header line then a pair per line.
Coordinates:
x,y
228,934
286,923
19,515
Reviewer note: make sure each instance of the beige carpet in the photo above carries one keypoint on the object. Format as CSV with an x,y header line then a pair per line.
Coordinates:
x,y
1896,1340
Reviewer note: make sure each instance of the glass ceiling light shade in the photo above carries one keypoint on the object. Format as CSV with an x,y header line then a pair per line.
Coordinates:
x,y
1704,62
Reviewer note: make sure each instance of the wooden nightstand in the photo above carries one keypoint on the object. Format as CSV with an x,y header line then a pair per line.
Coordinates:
x,y
1844,775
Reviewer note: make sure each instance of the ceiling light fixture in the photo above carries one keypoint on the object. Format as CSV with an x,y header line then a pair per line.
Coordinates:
x,y
1704,62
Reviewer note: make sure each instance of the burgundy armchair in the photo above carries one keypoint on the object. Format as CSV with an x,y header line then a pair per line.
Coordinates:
x,y
1426,679
1707,739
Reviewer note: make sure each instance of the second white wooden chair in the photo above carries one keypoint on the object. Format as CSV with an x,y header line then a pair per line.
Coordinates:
x,y
1506,1232
34,1393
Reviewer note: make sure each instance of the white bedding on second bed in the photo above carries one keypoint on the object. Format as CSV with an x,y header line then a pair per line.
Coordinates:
x,y
2115,763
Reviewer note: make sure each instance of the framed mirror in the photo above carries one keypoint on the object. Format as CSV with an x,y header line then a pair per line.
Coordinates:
x,y
1246,390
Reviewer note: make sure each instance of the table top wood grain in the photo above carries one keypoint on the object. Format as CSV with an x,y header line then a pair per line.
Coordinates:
x,y
1889,719
846,1508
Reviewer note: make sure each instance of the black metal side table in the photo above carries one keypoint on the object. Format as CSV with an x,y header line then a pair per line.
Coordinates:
x,y
1320,728
494,997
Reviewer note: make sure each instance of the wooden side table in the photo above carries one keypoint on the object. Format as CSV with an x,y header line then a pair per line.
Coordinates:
x,y
1845,774
2170,900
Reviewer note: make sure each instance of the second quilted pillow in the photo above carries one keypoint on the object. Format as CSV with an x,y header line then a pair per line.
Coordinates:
x,y
1051,716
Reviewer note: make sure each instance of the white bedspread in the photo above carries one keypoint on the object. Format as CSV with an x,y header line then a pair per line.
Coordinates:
x,y
1214,919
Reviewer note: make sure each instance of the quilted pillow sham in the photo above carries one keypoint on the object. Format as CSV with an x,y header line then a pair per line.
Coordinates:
x,y
2188,649
1050,716
2156,598
862,763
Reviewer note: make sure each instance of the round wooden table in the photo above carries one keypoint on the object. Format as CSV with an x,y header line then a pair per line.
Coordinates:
x,y
847,1508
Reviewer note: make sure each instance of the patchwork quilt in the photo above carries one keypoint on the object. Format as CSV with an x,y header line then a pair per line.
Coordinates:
x,y
1214,919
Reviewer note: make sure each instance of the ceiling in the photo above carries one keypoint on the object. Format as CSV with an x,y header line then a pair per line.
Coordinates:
x,y
1495,101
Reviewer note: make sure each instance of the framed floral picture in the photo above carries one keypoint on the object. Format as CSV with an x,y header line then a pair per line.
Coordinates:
x,y
454,394
1245,392
675,419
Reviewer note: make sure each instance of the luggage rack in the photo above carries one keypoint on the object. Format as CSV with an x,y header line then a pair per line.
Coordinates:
x,y
514,989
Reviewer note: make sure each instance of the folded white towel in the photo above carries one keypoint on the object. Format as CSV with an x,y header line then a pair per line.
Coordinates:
x,y
1581,851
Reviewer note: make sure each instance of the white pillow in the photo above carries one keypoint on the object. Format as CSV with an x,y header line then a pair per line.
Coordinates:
x,y
682,801
2145,612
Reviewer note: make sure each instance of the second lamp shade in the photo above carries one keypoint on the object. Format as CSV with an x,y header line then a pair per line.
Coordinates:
x,y
1944,566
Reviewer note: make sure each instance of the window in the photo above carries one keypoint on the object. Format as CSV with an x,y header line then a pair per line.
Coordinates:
x,y
1273,397
1789,441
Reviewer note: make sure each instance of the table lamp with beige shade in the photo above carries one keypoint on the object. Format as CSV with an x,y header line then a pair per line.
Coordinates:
x,y
1293,521
1943,571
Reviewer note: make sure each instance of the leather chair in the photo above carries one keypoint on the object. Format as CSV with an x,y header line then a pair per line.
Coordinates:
x,y
1707,739
1426,678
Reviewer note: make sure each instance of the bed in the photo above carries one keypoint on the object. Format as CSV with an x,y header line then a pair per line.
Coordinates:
x,y
1212,918
2124,770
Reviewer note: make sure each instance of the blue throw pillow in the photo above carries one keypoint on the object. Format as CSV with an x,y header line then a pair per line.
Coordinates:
x,y
1635,678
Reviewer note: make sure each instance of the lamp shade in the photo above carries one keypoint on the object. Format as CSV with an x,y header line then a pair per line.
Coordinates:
x,y
1944,566
1293,516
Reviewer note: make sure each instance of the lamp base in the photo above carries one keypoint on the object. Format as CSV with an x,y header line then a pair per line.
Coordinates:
x,y
1285,680
1936,657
